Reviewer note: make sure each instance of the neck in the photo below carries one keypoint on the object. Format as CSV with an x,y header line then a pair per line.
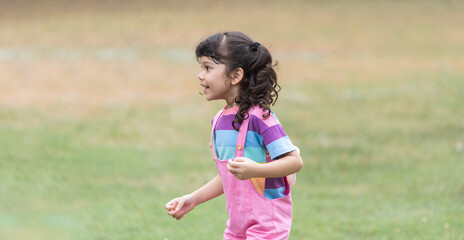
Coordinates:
x,y
231,103
233,94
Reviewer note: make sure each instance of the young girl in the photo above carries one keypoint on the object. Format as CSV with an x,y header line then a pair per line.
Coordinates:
x,y
254,156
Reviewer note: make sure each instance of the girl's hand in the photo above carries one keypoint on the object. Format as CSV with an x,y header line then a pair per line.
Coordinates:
x,y
180,206
243,168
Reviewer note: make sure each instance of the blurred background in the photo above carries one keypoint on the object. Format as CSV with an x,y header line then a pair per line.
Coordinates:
x,y
101,122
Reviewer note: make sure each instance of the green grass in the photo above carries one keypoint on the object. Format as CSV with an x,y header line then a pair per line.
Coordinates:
x,y
101,123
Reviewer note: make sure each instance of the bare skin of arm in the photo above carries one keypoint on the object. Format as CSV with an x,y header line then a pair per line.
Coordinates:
x,y
180,206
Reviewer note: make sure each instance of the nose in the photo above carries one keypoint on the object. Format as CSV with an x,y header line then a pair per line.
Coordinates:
x,y
201,75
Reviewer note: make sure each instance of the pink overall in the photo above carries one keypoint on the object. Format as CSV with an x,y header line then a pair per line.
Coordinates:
x,y
251,215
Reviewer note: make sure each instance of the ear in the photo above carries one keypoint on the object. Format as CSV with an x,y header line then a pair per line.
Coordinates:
x,y
237,76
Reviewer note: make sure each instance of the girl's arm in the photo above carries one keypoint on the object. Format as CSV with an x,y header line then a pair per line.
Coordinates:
x,y
180,206
208,191
244,168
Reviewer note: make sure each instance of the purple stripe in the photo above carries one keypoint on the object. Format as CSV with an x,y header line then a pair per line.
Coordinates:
x,y
273,133
225,122
256,125
274,183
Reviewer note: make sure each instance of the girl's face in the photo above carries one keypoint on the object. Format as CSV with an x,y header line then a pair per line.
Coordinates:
x,y
216,84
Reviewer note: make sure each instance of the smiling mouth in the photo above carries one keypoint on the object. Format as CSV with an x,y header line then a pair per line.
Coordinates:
x,y
204,90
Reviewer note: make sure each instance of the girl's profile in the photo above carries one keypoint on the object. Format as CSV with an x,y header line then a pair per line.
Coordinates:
x,y
255,158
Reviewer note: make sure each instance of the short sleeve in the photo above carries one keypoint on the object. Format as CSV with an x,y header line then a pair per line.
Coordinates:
x,y
274,137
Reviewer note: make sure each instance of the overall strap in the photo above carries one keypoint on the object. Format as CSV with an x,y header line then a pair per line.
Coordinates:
x,y
242,133
211,141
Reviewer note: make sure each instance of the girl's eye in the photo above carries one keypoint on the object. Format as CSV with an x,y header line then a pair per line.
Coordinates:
x,y
207,68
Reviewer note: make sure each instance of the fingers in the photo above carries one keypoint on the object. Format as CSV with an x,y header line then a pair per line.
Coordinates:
x,y
232,164
180,204
232,167
236,162
240,159
174,208
179,212
229,166
235,170
171,205
172,212
242,168
179,215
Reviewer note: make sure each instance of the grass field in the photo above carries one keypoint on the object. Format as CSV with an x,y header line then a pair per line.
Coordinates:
x,y
101,122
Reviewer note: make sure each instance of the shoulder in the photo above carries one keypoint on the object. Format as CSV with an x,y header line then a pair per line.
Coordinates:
x,y
259,114
261,120
216,116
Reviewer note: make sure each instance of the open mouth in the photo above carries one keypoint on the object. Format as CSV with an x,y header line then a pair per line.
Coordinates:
x,y
204,89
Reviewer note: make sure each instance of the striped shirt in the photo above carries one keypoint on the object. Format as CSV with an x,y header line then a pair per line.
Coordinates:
x,y
266,140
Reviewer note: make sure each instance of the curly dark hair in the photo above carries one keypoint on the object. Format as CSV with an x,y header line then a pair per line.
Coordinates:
x,y
237,50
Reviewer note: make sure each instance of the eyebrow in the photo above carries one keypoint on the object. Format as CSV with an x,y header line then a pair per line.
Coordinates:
x,y
209,60
206,62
